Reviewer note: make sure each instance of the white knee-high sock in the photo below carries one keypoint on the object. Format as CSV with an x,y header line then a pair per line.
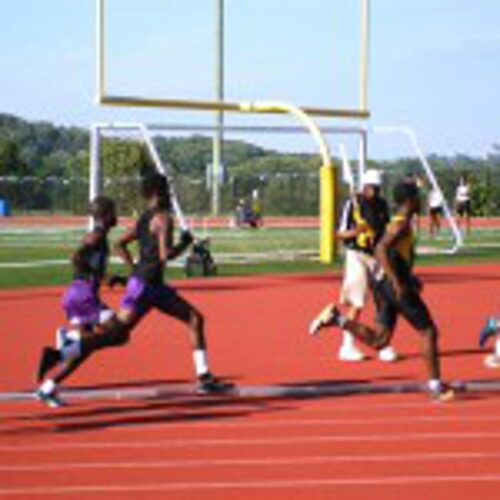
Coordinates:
x,y
200,359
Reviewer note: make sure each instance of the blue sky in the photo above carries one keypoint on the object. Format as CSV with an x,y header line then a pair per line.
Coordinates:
x,y
434,62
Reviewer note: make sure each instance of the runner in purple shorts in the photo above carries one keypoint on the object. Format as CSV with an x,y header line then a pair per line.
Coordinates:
x,y
147,290
85,312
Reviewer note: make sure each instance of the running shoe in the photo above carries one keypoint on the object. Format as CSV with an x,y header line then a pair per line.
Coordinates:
x,y
49,359
209,384
443,394
351,354
388,355
51,399
492,361
328,316
489,329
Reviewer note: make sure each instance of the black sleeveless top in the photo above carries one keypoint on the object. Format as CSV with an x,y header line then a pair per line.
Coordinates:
x,y
373,214
150,267
94,259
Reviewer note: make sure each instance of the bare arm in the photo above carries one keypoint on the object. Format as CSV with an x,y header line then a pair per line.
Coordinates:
x,y
392,234
350,233
92,239
161,226
121,247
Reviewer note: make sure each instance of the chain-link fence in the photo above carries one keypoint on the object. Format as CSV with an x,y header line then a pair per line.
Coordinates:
x,y
280,193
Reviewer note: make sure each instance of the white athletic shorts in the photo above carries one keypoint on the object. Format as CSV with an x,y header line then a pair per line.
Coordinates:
x,y
355,287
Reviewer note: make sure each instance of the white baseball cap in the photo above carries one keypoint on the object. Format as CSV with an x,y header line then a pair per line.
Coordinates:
x,y
372,178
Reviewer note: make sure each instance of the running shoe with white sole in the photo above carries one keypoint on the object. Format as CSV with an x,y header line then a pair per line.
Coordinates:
x,y
51,399
351,354
328,316
209,384
443,395
388,355
492,361
489,329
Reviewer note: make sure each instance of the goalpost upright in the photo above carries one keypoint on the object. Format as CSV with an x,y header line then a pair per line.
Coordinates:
x,y
328,176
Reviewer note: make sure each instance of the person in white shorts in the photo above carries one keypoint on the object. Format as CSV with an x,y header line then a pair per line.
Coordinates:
x,y
436,208
362,223
463,206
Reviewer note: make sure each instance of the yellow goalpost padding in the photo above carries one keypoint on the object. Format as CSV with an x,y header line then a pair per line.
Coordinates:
x,y
328,213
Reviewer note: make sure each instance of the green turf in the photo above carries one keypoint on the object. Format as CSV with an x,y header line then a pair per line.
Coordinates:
x,y
23,246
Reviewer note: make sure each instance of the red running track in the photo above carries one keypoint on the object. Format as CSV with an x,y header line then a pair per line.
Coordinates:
x,y
176,445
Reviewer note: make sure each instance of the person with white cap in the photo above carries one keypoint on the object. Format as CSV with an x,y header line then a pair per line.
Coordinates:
x,y
362,223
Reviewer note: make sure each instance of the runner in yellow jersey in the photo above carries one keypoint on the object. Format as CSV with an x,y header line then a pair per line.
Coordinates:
x,y
397,292
362,224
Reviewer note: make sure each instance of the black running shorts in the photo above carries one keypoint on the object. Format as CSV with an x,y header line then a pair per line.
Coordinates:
x,y
411,307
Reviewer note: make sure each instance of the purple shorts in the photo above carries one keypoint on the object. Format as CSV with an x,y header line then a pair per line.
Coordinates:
x,y
141,297
82,304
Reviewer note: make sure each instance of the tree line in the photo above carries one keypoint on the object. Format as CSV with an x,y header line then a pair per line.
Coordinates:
x,y
44,167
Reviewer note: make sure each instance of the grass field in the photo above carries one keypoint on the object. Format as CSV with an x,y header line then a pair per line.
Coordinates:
x,y
39,256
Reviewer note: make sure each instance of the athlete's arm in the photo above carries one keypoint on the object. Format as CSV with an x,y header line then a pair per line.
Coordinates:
x,y
92,239
186,238
122,250
393,233
348,228
160,226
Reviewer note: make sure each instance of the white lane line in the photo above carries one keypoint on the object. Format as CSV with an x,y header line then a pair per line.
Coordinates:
x,y
248,485
248,462
285,440
292,422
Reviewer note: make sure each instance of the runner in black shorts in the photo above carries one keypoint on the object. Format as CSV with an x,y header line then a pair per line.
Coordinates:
x,y
146,289
397,292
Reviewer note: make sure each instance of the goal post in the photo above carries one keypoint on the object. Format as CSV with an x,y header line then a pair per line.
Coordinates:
x,y
103,97
328,173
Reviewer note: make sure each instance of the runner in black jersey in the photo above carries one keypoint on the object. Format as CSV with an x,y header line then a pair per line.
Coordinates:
x,y
146,288
84,309
362,225
397,292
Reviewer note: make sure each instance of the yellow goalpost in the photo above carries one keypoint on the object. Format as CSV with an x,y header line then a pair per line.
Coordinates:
x,y
328,174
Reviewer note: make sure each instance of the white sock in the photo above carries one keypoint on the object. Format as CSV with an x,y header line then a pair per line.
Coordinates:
x,y
497,346
71,351
347,340
200,360
435,385
48,387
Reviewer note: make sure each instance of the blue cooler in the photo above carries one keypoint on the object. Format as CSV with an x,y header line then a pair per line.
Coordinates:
x,y
4,208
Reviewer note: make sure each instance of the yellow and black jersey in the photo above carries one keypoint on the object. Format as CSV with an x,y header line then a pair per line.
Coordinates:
x,y
371,215
402,253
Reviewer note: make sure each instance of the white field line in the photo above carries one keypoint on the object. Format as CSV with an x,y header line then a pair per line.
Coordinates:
x,y
237,442
313,484
248,462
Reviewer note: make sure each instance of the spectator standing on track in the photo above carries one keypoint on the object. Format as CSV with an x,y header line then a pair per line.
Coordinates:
x,y
362,224
463,203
